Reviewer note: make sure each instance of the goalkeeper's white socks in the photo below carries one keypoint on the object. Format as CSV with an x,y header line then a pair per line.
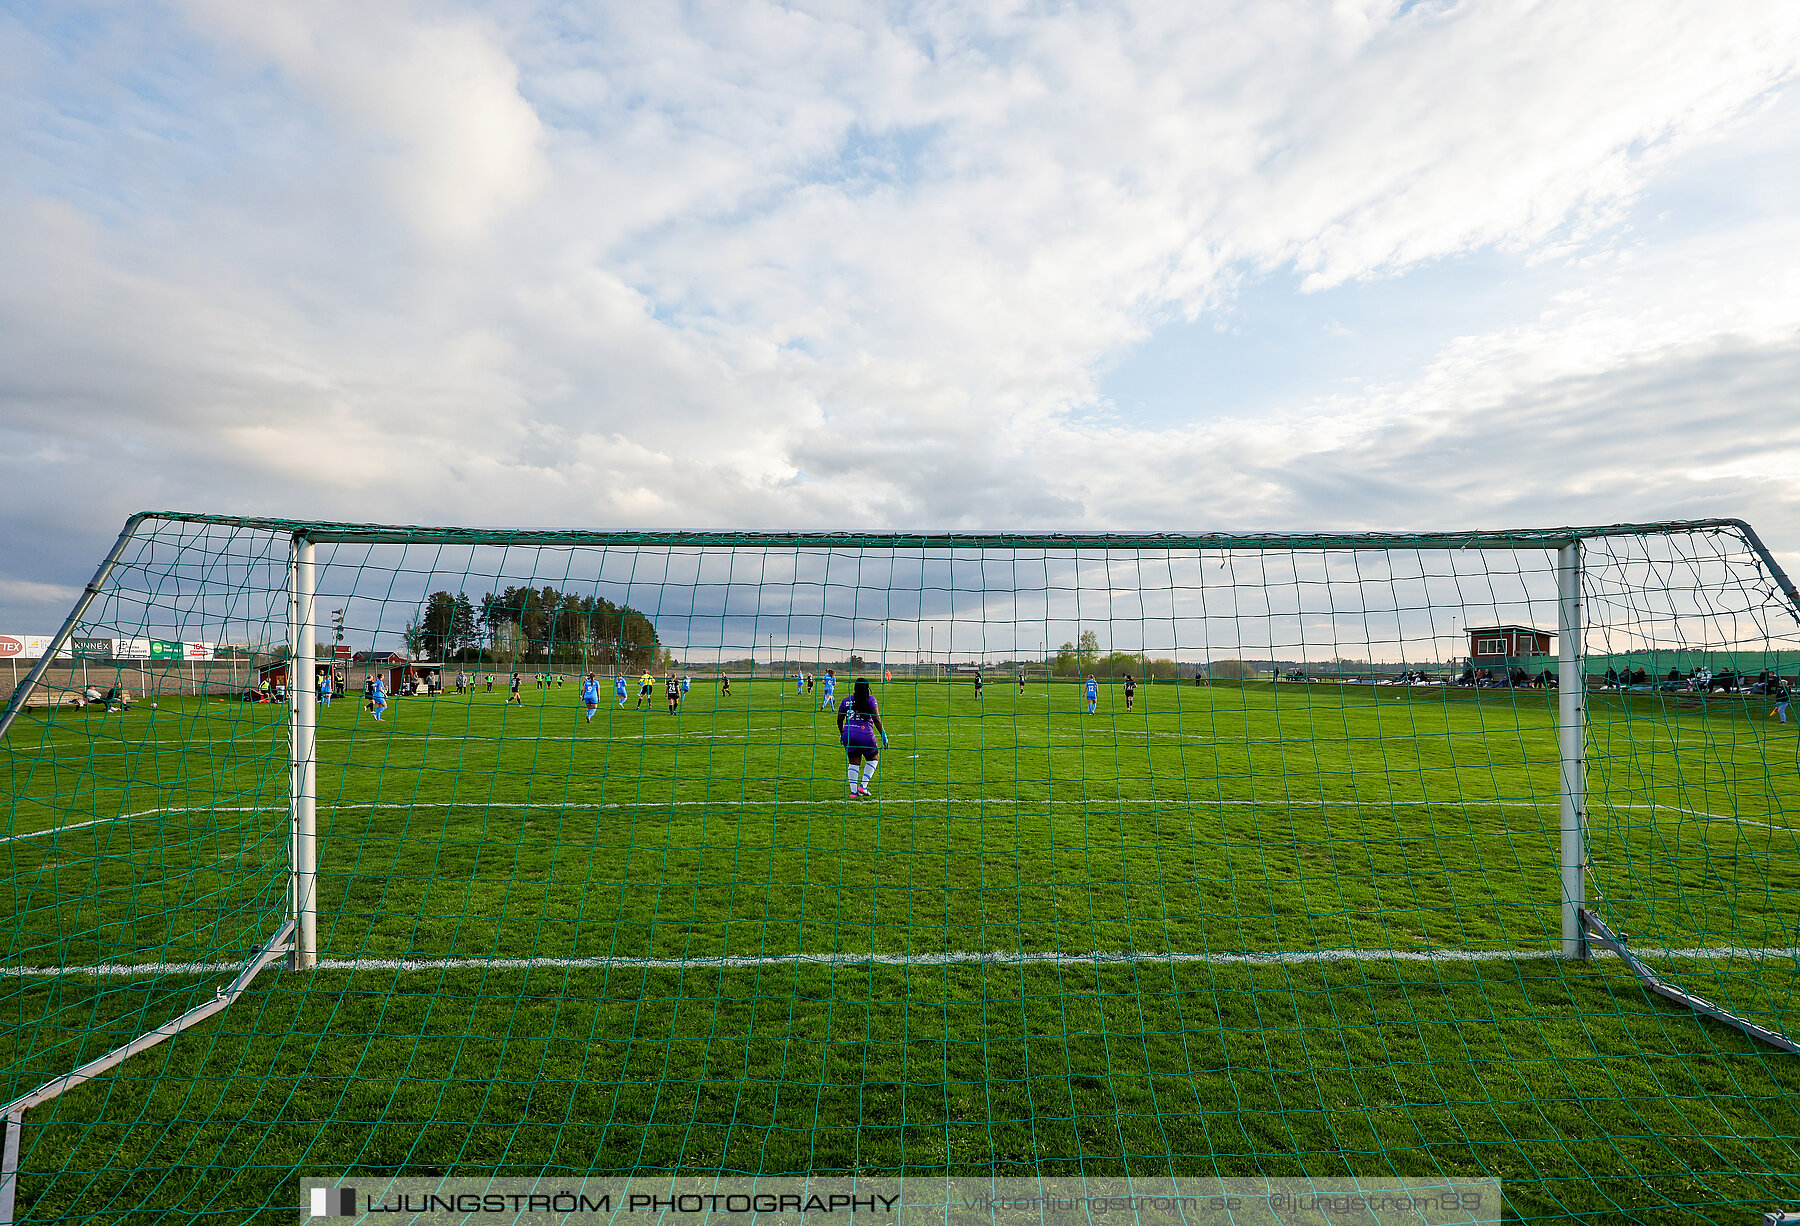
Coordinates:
x,y
868,773
852,773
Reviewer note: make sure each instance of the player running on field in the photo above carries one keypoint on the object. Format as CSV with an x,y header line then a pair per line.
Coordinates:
x,y
830,684
724,686
512,695
1093,693
590,696
672,689
859,723
619,688
799,683
645,683
978,686
686,685
1130,690
325,690
378,698
1021,681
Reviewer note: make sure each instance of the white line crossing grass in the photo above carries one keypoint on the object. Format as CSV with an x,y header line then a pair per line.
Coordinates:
x,y
130,970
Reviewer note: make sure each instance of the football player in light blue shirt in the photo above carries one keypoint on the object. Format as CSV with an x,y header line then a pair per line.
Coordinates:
x,y
829,684
378,697
590,696
619,689
1093,692
325,690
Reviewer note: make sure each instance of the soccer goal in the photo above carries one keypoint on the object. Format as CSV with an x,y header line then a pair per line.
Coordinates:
x,y
354,850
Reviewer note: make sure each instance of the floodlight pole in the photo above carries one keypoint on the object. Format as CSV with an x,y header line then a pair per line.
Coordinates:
x,y
1571,704
302,750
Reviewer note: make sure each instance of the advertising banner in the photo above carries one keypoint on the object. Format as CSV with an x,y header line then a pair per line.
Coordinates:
x,y
197,651
163,649
93,649
27,646
131,649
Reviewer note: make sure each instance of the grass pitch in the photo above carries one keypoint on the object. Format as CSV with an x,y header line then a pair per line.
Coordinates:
x,y
1234,930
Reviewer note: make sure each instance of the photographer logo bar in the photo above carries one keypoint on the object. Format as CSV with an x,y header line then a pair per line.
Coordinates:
x,y
334,1202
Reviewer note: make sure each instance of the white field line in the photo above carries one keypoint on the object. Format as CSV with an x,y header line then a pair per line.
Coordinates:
x,y
1001,958
38,834
117,748
772,802
1115,733
1694,812
726,803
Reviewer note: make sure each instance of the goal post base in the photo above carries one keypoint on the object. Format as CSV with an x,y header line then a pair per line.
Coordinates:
x,y
1596,932
15,1110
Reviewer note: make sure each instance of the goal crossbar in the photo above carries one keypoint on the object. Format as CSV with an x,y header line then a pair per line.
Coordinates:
x,y
335,532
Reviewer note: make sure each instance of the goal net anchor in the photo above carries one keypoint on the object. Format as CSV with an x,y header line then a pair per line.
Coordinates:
x,y
1597,932
14,1111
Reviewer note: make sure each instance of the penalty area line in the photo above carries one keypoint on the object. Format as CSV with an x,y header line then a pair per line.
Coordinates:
x,y
998,958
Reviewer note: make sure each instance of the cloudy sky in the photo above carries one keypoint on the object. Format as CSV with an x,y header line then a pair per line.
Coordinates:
x,y
1199,265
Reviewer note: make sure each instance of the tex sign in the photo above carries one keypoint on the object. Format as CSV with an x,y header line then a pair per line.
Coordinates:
x,y
27,646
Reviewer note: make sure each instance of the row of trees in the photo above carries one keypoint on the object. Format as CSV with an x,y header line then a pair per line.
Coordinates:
x,y
535,628
1081,657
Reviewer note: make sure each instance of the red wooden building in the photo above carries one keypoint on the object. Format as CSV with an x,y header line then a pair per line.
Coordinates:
x,y
1506,647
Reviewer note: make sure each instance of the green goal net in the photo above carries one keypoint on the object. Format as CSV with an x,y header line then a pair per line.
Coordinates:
x,y
400,851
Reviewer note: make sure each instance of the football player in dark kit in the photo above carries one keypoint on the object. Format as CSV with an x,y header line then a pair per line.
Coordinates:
x,y
859,723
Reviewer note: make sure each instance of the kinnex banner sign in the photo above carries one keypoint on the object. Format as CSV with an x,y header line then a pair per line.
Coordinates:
x,y
27,646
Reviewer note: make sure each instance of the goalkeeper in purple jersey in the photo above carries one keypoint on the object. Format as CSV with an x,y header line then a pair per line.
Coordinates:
x,y
859,723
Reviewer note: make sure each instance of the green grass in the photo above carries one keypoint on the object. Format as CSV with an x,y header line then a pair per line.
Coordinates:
x,y
1205,823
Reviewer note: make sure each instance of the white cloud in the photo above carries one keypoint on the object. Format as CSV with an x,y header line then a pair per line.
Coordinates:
x,y
29,592
431,102
757,265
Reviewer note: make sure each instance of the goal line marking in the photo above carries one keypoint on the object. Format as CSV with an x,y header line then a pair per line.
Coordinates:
x,y
1545,806
999,958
